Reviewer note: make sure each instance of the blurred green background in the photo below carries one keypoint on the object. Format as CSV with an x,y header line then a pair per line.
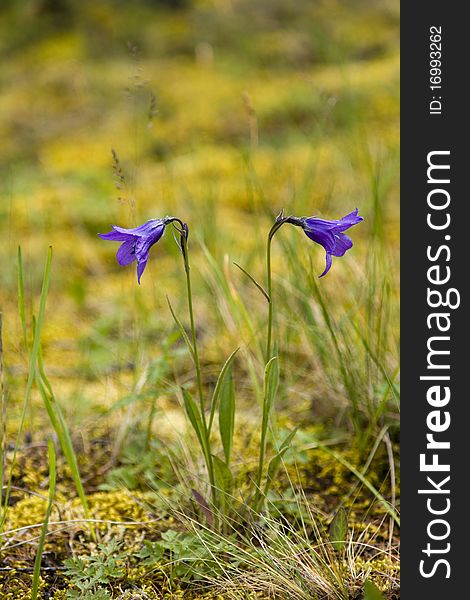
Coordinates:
x,y
220,112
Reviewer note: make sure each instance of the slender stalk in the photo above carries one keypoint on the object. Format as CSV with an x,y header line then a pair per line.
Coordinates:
x,y
262,453
264,427
271,382
197,362
193,338
274,228
267,401
270,303
45,525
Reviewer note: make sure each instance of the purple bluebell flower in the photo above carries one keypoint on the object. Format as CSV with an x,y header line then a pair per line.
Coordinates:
x,y
136,242
328,234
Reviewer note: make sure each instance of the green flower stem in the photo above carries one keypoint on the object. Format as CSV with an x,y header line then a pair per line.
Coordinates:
x,y
194,342
207,453
270,304
262,451
264,427
272,231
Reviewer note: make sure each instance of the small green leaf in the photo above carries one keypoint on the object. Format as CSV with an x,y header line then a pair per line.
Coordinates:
x,y
275,462
287,440
253,280
224,480
218,386
223,475
227,413
271,383
150,553
338,529
195,419
371,592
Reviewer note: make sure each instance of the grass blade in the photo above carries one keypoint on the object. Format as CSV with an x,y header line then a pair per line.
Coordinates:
x,y
31,374
60,427
338,529
182,331
21,303
390,510
271,383
42,537
253,280
224,480
275,462
196,421
221,285
218,387
371,592
227,413
395,392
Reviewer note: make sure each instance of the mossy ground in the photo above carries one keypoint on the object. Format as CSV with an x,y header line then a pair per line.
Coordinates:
x,y
144,512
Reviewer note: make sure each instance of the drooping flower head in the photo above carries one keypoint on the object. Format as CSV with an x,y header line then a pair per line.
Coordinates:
x,y
136,242
329,234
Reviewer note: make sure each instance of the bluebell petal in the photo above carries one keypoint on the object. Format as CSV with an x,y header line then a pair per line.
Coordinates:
x,y
340,225
142,230
144,244
324,237
342,243
126,253
140,268
349,220
329,262
314,223
115,236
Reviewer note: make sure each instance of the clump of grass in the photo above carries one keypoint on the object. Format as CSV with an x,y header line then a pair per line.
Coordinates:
x,y
36,374
44,528
33,359
272,558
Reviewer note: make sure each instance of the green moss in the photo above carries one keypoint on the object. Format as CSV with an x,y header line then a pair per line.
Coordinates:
x,y
17,586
